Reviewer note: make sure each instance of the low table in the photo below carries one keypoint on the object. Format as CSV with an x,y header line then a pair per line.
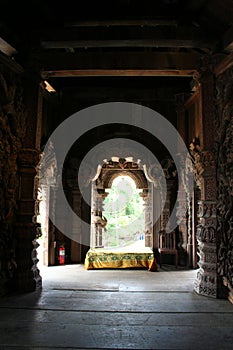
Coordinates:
x,y
99,258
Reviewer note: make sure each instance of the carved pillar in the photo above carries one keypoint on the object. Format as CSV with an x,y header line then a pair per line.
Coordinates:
x,y
205,167
224,151
147,197
44,214
167,206
27,277
12,132
101,195
206,281
27,231
98,228
191,217
153,175
195,199
98,196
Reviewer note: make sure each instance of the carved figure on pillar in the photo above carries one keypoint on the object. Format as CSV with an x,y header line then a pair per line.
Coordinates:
x,y
204,170
204,166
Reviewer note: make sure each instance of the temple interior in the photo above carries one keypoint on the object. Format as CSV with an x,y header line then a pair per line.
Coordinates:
x,y
116,135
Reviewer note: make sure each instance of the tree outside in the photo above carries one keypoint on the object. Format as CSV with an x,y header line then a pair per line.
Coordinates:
x,y
123,208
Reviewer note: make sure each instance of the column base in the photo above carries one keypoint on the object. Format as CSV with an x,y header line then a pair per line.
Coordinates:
x,y
27,277
205,283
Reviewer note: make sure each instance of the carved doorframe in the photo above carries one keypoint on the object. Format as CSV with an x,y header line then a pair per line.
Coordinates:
x,y
102,180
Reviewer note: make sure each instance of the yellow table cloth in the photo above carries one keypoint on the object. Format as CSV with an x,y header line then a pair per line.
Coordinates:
x,y
99,258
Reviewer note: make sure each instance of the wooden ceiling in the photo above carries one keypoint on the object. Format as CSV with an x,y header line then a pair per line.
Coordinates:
x,y
66,41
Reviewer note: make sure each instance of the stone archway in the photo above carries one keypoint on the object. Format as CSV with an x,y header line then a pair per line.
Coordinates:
x,y
103,180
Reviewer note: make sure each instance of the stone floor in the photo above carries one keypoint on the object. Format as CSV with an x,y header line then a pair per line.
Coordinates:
x,y
115,309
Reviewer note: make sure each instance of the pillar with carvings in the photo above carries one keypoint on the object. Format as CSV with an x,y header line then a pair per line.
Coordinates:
x,y
205,171
26,229
148,206
98,221
27,276
224,152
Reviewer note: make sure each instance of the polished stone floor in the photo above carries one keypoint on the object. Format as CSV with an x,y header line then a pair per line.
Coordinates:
x,y
115,309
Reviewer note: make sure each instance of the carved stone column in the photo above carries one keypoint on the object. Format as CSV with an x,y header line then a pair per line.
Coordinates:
x,y
167,208
98,228
97,225
26,229
191,216
206,281
224,151
148,206
205,171
12,132
153,175
101,195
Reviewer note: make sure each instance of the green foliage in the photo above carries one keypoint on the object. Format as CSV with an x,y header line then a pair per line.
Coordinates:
x,y
124,212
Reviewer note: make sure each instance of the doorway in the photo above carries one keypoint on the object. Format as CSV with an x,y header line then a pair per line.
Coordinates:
x,y
124,211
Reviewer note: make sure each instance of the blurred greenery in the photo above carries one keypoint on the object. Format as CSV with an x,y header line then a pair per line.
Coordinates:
x,y
123,208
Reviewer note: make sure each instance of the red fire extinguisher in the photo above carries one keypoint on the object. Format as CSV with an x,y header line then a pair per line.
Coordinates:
x,y
61,255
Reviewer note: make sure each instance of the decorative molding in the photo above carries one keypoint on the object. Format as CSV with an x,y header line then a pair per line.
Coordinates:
x,y
203,160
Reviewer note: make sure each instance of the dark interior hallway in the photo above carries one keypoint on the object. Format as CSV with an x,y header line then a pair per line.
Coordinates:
x,y
96,83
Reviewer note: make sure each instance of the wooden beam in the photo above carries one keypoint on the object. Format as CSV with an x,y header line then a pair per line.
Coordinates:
x,y
225,64
6,48
49,60
115,72
168,43
181,32
123,23
132,91
131,36
11,64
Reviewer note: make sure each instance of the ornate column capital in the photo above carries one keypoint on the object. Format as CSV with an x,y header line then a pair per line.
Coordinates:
x,y
203,160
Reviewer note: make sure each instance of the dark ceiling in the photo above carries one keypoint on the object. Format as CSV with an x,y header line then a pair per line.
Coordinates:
x,y
69,41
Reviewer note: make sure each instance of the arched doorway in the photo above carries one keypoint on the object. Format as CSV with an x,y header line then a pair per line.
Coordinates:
x,y
122,174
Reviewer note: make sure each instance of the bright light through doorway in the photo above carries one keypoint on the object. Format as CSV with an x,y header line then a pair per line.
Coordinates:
x,y
123,208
